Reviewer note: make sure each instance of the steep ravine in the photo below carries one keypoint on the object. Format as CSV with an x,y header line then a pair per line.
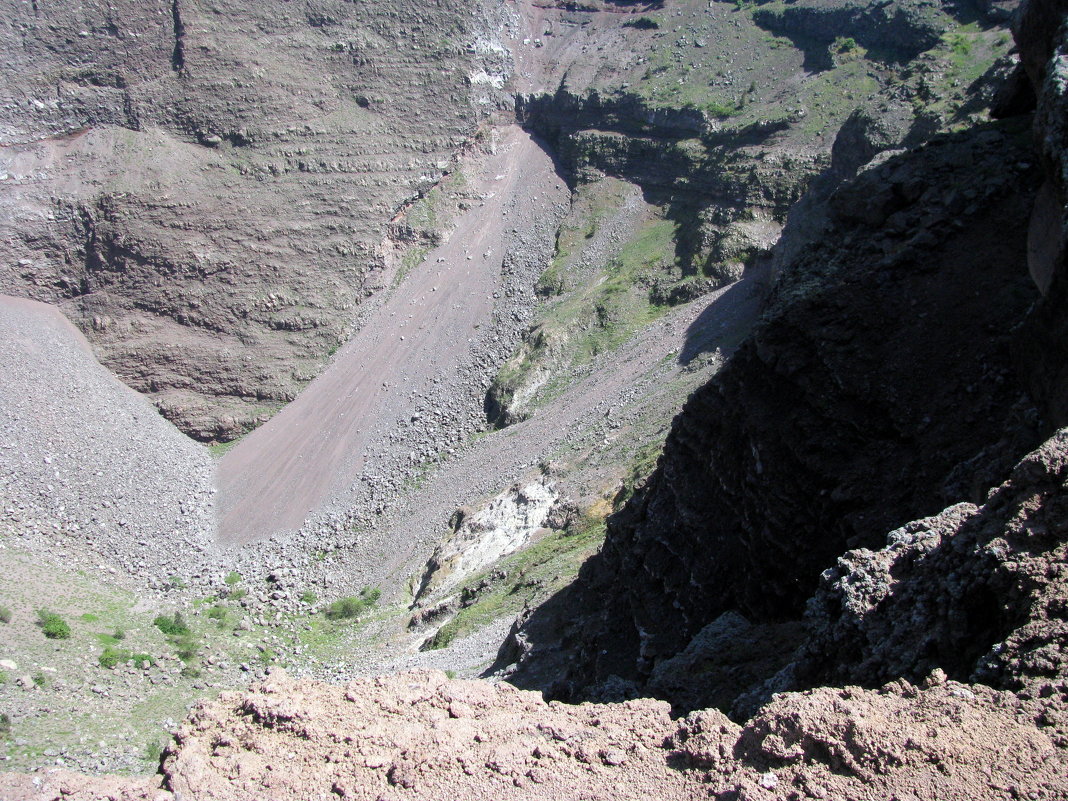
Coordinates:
x,y
870,488
879,387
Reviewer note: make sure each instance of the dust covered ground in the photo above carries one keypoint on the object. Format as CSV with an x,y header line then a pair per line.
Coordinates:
x,y
422,736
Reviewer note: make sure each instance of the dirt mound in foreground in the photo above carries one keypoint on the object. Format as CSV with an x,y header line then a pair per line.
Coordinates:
x,y
423,736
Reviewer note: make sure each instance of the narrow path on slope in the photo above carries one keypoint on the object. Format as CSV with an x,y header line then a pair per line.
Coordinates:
x,y
308,456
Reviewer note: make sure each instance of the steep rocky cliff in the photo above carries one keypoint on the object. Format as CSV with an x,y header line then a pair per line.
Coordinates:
x,y
879,387
206,188
884,383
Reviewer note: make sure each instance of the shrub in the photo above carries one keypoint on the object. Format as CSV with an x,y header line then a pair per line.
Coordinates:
x,y
345,608
308,597
5,614
3,677
40,680
354,606
119,634
112,657
960,44
53,626
232,577
217,612
718,109
5,726
171,626
238,594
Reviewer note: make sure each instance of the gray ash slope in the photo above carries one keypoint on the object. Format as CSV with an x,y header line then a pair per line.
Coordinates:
x,y
91,473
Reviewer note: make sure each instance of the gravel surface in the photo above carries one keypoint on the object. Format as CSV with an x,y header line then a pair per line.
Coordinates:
x,y
89,471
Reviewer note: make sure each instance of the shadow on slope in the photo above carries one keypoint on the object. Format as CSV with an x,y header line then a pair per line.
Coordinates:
x,y
879,388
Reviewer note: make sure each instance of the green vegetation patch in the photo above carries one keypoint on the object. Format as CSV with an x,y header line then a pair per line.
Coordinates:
x,y
218,613
219,449
592,206
173,626
595,309
620,302
112,657
52,625
354,607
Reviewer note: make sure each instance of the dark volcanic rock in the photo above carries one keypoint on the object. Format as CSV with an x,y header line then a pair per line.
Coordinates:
x,y
999,567
878,388
1044,345
978,592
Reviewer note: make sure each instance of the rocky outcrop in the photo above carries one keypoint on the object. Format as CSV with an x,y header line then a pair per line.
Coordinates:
x,y
479,539
879,387
905,28
715,183
979,592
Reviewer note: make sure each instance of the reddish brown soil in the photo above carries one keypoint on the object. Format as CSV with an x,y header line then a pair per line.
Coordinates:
x,y
422,736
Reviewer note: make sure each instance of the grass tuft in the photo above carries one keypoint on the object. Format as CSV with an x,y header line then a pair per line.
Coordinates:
x,y
171,626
